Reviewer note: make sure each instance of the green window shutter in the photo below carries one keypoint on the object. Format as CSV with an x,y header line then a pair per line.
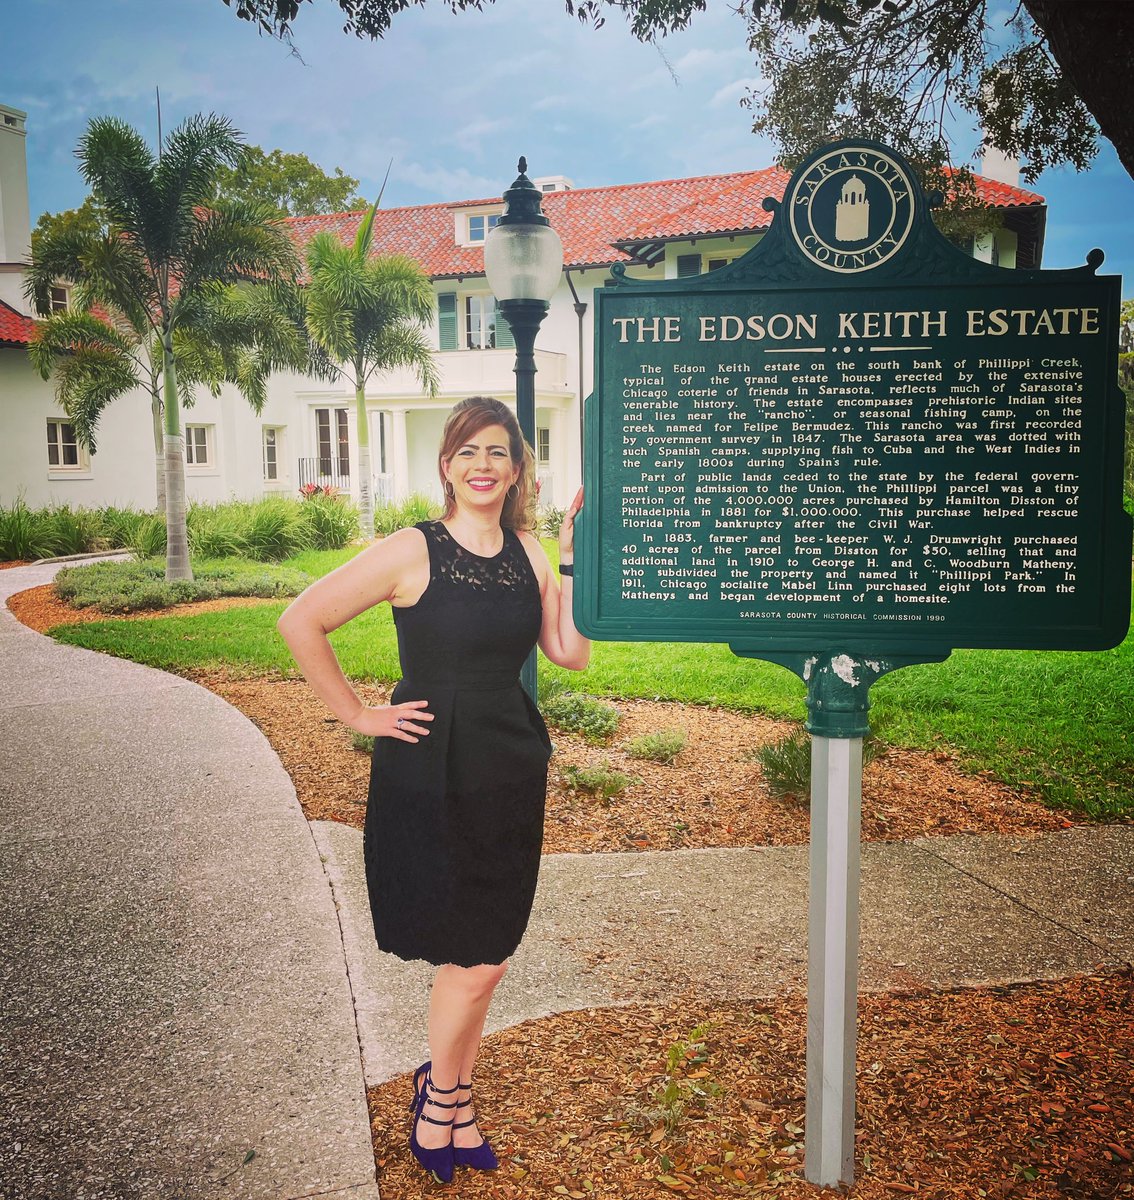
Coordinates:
x,y
447,321
504,338
688,264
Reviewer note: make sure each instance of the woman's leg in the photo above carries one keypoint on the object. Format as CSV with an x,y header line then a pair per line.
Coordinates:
x,y
457,1011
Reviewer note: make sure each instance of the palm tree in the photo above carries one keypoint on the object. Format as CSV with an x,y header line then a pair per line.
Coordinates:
x,y
162,271
96,356
367,315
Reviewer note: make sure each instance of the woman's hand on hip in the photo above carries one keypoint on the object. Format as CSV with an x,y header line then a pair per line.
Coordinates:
x,y
567,528
403,721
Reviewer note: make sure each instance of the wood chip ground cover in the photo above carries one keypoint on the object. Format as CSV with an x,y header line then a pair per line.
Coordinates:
x,y
1022,1092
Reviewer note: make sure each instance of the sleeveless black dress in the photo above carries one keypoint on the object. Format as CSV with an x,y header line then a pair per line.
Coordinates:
x,y
454,823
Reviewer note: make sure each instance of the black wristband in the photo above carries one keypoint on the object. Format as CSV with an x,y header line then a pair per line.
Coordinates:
x,y
567,569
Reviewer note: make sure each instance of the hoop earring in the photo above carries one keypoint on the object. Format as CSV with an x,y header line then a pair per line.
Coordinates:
x,y
449,489
513,492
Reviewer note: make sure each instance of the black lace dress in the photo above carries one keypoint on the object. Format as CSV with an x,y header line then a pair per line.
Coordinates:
x,y
454,823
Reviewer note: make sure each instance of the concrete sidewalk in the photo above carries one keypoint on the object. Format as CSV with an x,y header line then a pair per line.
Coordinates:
x,y
177,1018
731,924
189,970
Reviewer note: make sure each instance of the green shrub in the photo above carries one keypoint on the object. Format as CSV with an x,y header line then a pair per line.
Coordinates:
x,y
786,763
24,535
389,518
662,746
120,525
596,721
332,521
73,531
603,781
147,539
121,587
362,742
550,520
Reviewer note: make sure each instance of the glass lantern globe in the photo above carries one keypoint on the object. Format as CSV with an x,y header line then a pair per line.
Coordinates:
x,y
523,261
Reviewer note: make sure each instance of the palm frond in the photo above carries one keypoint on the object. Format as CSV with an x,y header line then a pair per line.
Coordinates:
x,y
403,345
119,167
58,254
88,377
185,176
231,242
68,333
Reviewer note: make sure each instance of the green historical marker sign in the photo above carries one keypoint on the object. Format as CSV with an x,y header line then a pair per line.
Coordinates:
x,y
857,437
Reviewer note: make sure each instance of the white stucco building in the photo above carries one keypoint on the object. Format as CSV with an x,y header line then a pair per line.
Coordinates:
x,y
307,430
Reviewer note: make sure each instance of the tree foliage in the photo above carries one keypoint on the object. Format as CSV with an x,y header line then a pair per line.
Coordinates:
x,y
367,314
899,71
159,274
290,184
1033,79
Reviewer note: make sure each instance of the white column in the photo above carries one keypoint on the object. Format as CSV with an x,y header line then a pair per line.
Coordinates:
x,y
399,453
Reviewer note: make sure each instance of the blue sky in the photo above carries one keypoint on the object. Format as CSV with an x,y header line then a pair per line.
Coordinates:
x,y
452,99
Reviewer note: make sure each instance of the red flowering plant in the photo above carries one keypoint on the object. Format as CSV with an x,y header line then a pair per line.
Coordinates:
x,y
310,490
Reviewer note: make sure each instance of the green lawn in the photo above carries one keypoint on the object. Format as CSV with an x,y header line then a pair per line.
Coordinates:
x,y
1060,722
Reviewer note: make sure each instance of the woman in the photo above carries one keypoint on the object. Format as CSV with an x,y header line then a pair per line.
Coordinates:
x,y
454,821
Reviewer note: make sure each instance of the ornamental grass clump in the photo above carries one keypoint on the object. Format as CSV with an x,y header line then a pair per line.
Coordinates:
x,y
147,539
786,763
24,535
574,713
72,531
332,521
603,781
120,525
276,529
549,521
390,517
662,746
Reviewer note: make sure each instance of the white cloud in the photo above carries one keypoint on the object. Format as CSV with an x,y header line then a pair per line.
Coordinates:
x,y
731,93
447,183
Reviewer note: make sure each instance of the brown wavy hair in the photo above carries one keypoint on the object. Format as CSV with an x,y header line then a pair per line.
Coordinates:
x,y
463,424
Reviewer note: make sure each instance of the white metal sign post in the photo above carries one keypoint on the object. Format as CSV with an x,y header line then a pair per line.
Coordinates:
x,y
832,957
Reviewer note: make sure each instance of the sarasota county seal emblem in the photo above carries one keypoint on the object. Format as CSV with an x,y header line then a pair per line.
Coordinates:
x,y
851,209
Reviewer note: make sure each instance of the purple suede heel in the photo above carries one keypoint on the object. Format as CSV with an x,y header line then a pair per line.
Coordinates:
x,y
438,1160
480,1158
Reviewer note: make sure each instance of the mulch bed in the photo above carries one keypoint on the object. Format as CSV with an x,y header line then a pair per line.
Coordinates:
x,y
1022,1092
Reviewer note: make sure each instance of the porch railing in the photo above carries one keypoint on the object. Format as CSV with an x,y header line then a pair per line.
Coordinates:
x,y
324,472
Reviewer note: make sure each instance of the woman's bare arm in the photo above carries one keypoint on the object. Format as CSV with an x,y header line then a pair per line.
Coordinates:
x,y
560,641
395,569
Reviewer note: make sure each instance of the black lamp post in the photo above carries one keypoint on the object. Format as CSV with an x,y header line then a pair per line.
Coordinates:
x,y
523,259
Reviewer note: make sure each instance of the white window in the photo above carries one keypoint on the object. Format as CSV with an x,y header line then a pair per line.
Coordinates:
x,y
60,298
480,321
480,224
713,261
332,441
63,452
198,445
273,453
543,446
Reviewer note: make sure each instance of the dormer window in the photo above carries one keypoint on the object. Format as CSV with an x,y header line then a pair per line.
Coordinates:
x,y
480,224
60,298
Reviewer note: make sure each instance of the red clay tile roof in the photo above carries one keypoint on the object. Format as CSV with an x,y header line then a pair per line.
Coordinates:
x,y
594,223
15,329
1004,195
